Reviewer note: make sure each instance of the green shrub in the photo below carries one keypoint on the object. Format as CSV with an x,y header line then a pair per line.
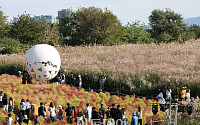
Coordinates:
x,y
9,42
10,50
10,68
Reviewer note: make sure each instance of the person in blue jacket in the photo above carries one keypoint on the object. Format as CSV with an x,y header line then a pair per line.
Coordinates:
x,y
134,120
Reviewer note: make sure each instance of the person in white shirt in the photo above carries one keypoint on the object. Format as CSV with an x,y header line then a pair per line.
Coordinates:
x,y
168,93
80,119
80,81
123,114
187,96
88,114
28,108
23,107
52,111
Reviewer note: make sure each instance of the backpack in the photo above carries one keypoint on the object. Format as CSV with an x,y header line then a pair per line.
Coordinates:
x,y
60,112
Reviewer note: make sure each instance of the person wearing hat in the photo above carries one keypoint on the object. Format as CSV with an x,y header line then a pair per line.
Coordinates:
x,y
79,81
69,111
60,112
183,92
88,113
134,120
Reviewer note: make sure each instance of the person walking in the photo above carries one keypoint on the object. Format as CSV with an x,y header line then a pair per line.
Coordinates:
x,y
69,111
113,112
28,108
95,115
88,114
134,120
101,114
23,107
108,113
5,102
52,111
11,104
139,115
42,110
60,113
118,115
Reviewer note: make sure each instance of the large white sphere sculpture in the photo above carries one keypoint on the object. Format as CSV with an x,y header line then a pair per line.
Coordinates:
x,y
43,62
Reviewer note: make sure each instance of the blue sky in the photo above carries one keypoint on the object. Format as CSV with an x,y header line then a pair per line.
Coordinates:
x,y
125,10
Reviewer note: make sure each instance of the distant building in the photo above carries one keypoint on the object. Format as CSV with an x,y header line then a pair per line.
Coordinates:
x,y
62,13
49,18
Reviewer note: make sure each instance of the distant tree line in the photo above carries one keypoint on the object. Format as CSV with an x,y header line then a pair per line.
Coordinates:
x,y
94,26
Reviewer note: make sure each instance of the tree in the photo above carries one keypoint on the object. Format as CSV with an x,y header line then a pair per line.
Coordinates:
x,y
3,25
65,25
135,33
90,26
196,29
51,35
166,25
27,30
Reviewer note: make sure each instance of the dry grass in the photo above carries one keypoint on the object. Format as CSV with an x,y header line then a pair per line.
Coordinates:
x,y
171,61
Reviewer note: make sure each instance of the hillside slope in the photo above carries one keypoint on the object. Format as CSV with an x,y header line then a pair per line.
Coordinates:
x,y
171,61
63,94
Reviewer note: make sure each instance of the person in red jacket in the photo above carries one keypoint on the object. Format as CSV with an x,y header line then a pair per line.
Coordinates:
x,y
76,113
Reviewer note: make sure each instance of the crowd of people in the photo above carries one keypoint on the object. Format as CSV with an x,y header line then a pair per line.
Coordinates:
x,y
111,116
166,94
61,79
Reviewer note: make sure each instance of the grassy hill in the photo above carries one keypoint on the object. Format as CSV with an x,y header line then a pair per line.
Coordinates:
x,y
63,94
153,65
178,61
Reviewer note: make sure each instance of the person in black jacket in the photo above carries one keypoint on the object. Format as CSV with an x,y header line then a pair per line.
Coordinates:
x,y
113,111
101,113
108,114
5,102
41,110
95,115
118,114
68,111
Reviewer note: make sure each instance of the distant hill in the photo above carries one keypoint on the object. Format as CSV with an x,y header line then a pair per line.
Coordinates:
x,y
191,21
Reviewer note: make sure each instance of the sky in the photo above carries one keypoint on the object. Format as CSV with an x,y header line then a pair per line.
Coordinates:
x,y
126,10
